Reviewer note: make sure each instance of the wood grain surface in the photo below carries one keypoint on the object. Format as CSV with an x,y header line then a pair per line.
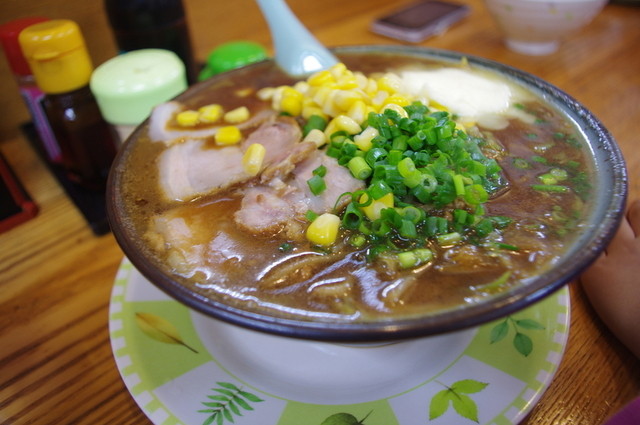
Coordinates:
x,y
56,365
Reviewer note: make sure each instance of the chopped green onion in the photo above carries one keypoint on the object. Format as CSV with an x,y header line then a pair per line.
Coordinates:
x,y
475,194
501,280
394,157
413,179
285,247
320,171
408,229
406,167
400,143
449,238
317,185
314,122
458,183
357,240
352,217
409,259
506,246
559,174
547,179
484,227
520,163
311,215
359,168
550,188
413,214
379,188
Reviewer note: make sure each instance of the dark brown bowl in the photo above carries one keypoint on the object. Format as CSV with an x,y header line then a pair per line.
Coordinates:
x,y
610,191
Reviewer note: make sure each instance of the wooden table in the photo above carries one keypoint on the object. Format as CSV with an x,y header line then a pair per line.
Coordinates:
x,y
56,364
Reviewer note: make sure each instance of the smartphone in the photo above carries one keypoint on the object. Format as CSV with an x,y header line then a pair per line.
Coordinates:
x,y
420,20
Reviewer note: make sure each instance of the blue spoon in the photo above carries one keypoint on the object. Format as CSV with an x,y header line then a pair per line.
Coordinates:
x,y
297,51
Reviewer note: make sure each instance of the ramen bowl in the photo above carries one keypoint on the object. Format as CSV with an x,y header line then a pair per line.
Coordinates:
x,y
536,27
374,283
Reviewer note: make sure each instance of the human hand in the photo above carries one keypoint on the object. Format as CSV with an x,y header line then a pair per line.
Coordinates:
x,y
612,283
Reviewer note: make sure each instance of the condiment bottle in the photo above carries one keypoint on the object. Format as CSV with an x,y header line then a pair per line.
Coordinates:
x,y
57,55
30,92
128,86
232,55
160,24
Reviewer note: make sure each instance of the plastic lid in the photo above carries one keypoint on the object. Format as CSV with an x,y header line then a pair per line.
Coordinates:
x,y
9,38
127,87
57,55
232,55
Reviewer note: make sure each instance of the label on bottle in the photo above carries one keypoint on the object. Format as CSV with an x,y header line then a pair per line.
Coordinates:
x,y
33,96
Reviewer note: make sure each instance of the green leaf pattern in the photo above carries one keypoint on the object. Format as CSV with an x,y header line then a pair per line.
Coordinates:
x,y
456,395
227,403
231,401
522,342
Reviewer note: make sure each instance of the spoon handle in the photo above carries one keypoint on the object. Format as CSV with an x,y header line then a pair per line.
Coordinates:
x,y
297,51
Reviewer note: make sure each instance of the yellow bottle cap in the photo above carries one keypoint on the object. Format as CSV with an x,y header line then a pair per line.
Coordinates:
x,y
57,55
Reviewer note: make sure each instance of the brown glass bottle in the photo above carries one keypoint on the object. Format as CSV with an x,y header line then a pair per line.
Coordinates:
x,y
86,140
62,68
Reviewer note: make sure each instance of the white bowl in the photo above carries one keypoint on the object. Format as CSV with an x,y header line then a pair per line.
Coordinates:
x,y
536,27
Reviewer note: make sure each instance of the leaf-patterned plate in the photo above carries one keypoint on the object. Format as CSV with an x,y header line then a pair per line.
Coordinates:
x,y
184,368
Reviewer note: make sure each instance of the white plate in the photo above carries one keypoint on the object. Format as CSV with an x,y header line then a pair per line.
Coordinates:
x,y
184,368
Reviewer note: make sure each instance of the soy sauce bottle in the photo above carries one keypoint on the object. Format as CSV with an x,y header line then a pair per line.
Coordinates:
x,y
159,24
30,92
58,57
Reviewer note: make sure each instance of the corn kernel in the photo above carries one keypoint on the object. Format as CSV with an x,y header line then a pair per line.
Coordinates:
x,y
312,109
437,105
338,70
398,100
321,78
329,106
347,82
389,82
210,113
369,109
237,115
253,158
229,135
379,98
324,229
290,91
364,139
245,92
361,80
358,111
301,87
266,93
331,128
372,211
344,99
321,95
316,136
187,118
292,105
395,107
372,87
347,124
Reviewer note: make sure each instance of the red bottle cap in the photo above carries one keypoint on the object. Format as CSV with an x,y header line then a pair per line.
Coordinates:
x,y
9,33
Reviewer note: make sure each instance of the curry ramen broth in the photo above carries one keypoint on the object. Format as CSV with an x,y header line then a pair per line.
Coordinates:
x,y
287,277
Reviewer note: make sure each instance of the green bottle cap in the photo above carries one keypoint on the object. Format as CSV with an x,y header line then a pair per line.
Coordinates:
x,y
232,55
128,86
